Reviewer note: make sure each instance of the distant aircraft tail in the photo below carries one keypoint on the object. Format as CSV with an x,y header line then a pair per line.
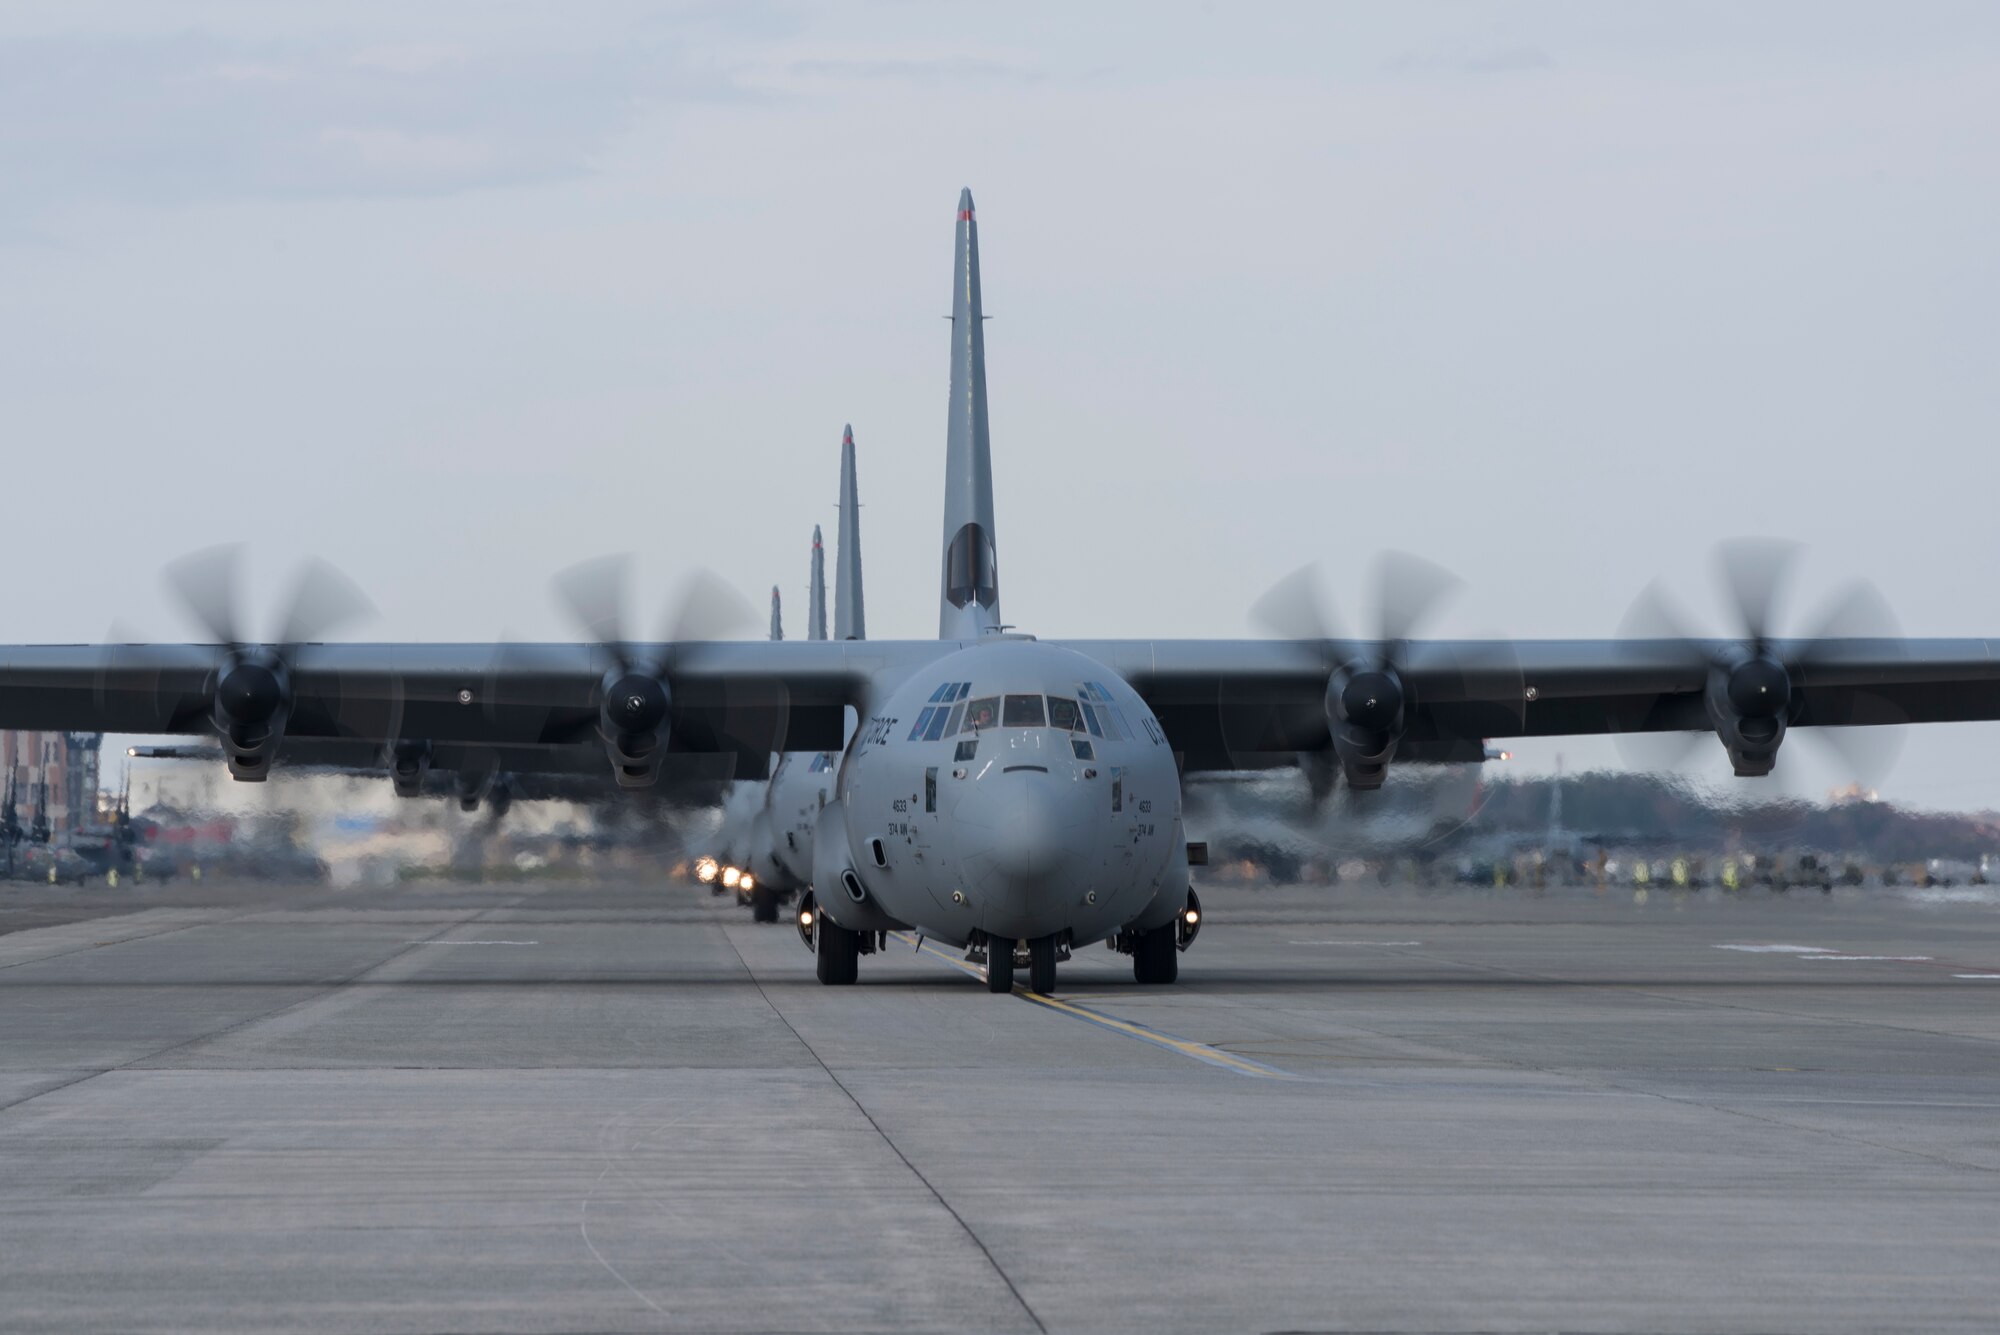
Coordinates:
x,y
816,592
850,621
777,616
969,604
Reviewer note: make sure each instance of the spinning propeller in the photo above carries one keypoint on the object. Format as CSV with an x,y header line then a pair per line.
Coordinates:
x,y
251,688
1755,683
636,699
1367,693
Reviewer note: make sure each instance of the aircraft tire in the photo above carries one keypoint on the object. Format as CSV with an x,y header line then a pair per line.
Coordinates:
x,y
1042,965
763,905
1155,956
999,964
838,959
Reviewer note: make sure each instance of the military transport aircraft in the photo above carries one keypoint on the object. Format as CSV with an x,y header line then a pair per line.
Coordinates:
x,y
766,837
1000,789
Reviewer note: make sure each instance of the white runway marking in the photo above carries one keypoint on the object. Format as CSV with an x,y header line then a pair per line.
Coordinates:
x,y
472,943
1780,950
1976,975
1354,943
1900,959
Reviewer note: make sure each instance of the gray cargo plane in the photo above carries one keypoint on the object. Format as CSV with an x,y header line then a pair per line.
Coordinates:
x,y
767,828
1000,790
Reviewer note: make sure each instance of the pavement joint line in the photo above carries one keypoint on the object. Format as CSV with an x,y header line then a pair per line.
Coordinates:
x,y
123,940
894,1148
1186,1047
330,989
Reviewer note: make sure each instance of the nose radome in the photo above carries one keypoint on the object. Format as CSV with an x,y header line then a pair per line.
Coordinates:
x,y
1029,822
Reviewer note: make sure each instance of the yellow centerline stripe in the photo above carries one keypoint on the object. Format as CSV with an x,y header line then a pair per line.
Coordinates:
x,y
1186,1047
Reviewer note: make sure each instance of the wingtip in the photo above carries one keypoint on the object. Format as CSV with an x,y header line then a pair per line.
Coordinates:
x,y
847,434
965,204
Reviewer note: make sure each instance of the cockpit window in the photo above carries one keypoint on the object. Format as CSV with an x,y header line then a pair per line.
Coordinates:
x,y
1064,714
982,713
1023,711
1081,746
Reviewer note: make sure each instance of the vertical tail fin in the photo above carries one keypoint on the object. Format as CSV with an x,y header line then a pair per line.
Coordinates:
x,y
777,616
816,592
850,621
969,604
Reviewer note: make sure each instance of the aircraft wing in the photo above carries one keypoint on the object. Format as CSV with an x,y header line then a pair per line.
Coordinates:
x,y
1222,702
519,707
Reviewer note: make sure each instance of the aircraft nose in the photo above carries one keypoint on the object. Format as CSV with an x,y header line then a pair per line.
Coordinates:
x,y
1023,840
1029,821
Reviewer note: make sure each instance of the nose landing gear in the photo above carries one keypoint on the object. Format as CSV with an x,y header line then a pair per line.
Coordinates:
x,y
1042,965
999,964
1004,956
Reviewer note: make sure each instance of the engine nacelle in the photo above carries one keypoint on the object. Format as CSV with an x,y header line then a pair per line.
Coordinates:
x,y
409,762
251,704
634,721
1750,704
1366,715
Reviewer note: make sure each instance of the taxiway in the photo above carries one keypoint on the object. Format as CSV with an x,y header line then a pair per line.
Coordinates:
x,y
565,1108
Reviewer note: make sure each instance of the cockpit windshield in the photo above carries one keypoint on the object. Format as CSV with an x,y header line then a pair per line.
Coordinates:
x,y
1026,711
1023,711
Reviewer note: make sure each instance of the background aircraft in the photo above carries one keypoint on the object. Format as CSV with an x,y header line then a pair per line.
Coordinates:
x,y
766,835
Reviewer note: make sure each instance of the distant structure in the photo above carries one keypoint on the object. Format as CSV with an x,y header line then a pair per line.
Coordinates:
x,y
54,778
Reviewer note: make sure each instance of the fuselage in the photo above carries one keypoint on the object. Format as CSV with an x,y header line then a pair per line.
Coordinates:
x,y
801,785
1013,790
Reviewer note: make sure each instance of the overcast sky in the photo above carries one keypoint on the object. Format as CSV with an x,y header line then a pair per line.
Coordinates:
x,y
1557,295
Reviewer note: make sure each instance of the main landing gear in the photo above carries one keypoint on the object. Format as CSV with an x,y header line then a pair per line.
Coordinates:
x,y
837,950
838,957
1156,954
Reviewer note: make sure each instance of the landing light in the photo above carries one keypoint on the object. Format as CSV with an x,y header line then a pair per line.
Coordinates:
x,y
1193,916
746,882
705,870
805,917
730,876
